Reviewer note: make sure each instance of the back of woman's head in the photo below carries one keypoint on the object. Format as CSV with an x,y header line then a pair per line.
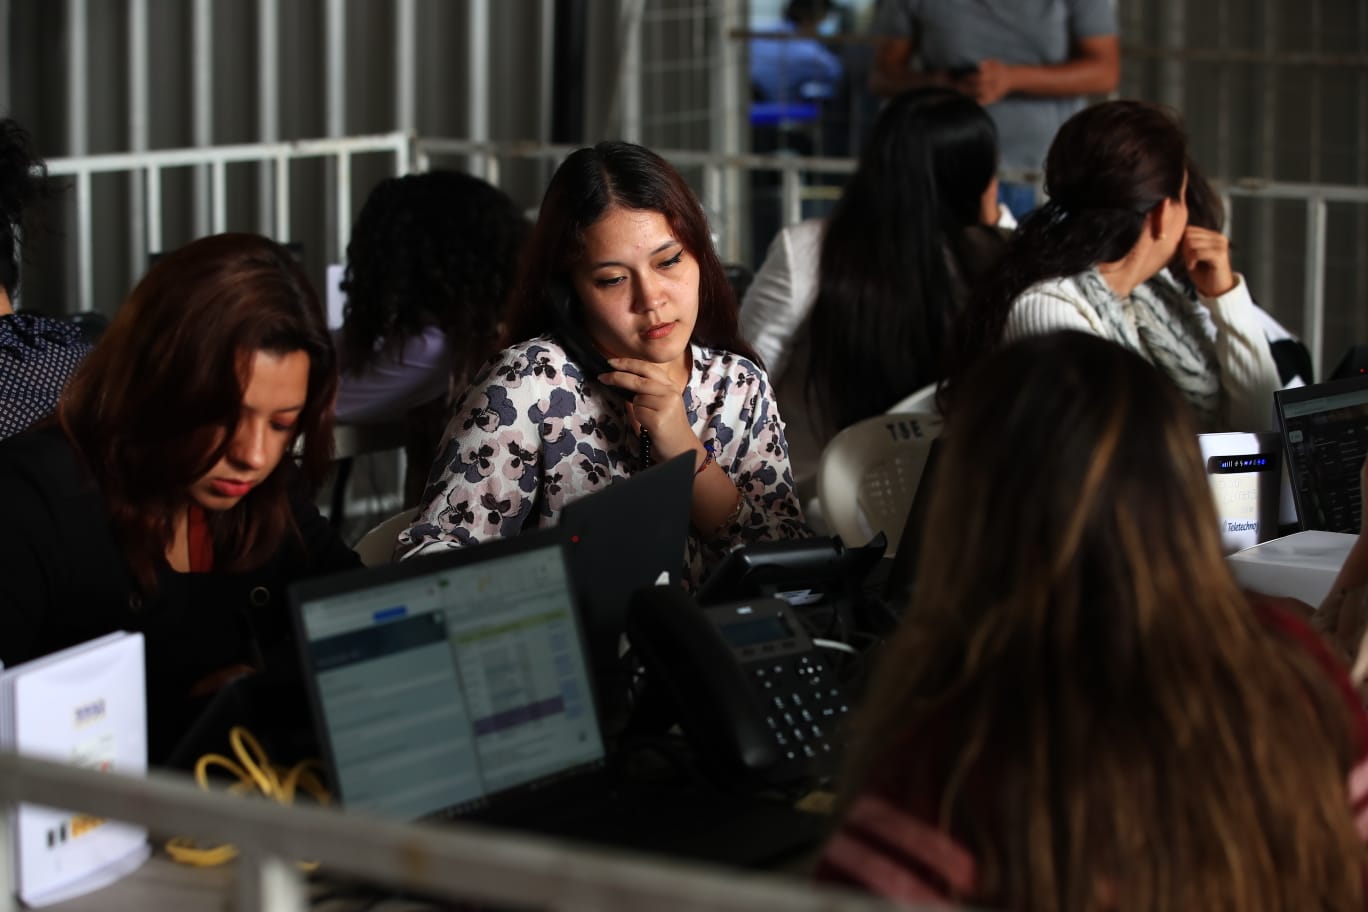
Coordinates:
x,y
586,185
23,182
154,406
1108,167
434,249
885,290
1107,723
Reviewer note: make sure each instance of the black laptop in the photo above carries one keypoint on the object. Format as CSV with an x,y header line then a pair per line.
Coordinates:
x,y
1325,434
632,534
457,686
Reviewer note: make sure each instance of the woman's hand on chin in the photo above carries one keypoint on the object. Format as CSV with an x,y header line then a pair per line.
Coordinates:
x,y
1206,254
657,406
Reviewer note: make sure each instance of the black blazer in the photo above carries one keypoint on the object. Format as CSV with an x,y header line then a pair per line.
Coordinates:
x,y
64,580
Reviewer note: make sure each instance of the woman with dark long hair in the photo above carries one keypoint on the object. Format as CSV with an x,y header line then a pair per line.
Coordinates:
x,y
621,260
1081,710
1117,175
850,312
164,498
430,264
37,354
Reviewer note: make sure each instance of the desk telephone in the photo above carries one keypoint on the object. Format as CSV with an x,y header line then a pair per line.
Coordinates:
x,y
752,694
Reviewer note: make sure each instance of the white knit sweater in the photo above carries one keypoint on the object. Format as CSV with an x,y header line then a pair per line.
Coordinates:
x,y
1248,374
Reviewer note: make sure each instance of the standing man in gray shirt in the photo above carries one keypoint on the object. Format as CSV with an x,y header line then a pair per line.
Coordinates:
x,y
1029,62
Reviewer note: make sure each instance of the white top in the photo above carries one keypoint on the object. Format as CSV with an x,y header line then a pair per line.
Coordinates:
x,y
780,298
1248,374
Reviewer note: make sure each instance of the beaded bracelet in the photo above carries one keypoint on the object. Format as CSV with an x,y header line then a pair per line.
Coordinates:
x,y
732,517
711,449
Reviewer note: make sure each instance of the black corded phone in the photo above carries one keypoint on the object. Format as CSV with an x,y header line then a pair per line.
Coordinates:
x,y
750,690
574,338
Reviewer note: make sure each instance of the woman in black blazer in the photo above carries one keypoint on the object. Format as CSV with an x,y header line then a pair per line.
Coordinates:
x,y
163,498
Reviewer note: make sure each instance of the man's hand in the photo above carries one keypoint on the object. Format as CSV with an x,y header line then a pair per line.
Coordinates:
x,y
990,83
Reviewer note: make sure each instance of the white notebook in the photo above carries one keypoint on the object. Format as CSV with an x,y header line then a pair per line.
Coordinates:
x,y
85,706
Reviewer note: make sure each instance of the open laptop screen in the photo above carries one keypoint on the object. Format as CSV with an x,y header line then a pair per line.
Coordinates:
x,y
463,678
1325,431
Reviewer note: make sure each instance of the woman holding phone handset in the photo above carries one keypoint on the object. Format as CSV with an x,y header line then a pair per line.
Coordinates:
x,y
621,265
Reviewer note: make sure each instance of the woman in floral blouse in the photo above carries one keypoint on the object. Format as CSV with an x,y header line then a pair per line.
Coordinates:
x,y
536,430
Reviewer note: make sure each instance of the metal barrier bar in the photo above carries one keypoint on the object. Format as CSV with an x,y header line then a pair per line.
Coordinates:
x,y
154,212
1313,331
218,198
721,177
85,232
454,861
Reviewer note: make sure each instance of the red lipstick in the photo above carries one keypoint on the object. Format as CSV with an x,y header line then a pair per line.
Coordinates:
x,y
227,488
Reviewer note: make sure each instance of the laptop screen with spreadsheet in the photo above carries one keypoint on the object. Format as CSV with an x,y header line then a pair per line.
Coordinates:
x,y
447,681
1325,432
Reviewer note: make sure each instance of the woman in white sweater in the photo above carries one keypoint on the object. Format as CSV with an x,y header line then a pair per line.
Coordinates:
x,y
1094,257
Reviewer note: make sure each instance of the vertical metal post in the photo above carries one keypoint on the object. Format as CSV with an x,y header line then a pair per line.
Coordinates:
x,y
344,174
270,884
629,74
1267,142
138,132
406,65
477,77
1223,101
78,139
154,208
218,197
202,26
1173,33
268,105
728,108
546,39
9,879
6,53
792,195
282,198
1361,217
1313,333
85,229
335,115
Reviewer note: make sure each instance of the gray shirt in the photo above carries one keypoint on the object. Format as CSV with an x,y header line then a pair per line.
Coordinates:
x,y
955,33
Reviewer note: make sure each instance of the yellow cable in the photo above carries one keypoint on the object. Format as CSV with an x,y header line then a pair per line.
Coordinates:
x,y
255,775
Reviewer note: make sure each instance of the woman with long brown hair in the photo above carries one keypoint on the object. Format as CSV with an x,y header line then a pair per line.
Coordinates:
x,y
163,499
627,352
1081,710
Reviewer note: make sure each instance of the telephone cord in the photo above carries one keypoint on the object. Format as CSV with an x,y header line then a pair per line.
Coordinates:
x,y
255,775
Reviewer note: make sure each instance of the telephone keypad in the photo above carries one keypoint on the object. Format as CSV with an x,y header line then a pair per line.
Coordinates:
x,y
807,708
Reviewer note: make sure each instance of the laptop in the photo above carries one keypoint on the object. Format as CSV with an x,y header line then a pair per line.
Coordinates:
x,y
632,534
457,686
1245,471
1325,435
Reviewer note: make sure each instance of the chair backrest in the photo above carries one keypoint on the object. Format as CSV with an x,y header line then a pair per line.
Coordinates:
x,y
869,474
376,547
918,402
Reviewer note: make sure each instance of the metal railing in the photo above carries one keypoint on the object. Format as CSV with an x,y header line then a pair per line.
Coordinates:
x,y
456,861
151,165
721,176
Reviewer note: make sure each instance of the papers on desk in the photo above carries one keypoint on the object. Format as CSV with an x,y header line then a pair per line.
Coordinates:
x,y
85,706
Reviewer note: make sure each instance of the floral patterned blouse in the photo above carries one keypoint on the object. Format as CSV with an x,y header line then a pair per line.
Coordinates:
x,y
533,433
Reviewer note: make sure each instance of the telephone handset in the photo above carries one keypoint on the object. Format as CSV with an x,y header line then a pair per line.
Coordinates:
x,y
575,340
750,691
573,337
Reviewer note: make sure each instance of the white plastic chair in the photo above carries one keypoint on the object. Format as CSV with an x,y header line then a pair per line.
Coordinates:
x,y
376,547
922,401
869,474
